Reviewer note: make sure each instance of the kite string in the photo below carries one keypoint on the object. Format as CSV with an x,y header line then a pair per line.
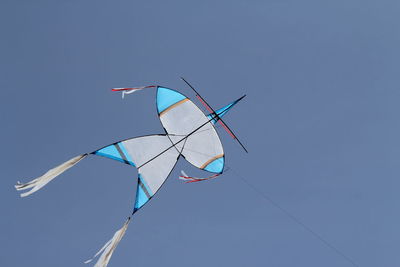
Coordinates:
x,y
290,215
296,220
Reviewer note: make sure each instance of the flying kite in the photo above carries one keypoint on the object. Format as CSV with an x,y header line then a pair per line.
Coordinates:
x,y
189,133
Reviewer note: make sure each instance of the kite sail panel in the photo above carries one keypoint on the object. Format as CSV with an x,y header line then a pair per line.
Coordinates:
x,y
179,117
136,152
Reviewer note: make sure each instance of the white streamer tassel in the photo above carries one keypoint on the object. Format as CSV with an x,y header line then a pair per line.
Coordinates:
x,y
41,181
130,90
108,249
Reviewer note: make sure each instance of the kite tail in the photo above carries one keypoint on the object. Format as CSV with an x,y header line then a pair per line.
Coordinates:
x,y
190,179
41,181
107,250
130,90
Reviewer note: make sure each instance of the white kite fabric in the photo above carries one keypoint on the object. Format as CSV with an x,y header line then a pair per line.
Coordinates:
x,y
203,149
189,133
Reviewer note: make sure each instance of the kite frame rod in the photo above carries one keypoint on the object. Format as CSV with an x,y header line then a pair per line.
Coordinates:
x,y
204,102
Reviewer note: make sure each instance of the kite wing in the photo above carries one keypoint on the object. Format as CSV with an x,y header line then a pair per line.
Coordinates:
x,y
180,117
136,152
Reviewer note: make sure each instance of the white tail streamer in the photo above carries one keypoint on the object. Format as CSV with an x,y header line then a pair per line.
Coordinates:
x,y
108,249
130,90
41,181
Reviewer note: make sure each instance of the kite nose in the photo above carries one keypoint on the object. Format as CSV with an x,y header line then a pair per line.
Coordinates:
x,y
222,111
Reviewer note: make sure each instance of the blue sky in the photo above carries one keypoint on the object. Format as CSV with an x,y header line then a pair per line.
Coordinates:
x,y
320,121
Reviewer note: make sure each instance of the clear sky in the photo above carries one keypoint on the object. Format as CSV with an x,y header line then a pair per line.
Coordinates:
x,y
320,122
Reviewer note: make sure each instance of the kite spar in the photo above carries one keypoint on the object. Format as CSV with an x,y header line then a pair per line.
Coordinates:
x,y
188,133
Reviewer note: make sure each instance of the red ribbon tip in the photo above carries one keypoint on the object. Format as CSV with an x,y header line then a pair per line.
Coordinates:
x,y
121,89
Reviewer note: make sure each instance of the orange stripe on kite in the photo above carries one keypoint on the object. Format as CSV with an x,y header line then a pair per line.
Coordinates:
x,y
211,160
173,106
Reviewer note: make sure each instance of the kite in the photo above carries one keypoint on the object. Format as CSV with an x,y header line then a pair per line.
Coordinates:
x,y
189,133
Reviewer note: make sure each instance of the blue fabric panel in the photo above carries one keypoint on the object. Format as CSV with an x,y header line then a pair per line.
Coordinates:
x,y
146,186
166,98
128,157
110,152
216,166
222,111
141,198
